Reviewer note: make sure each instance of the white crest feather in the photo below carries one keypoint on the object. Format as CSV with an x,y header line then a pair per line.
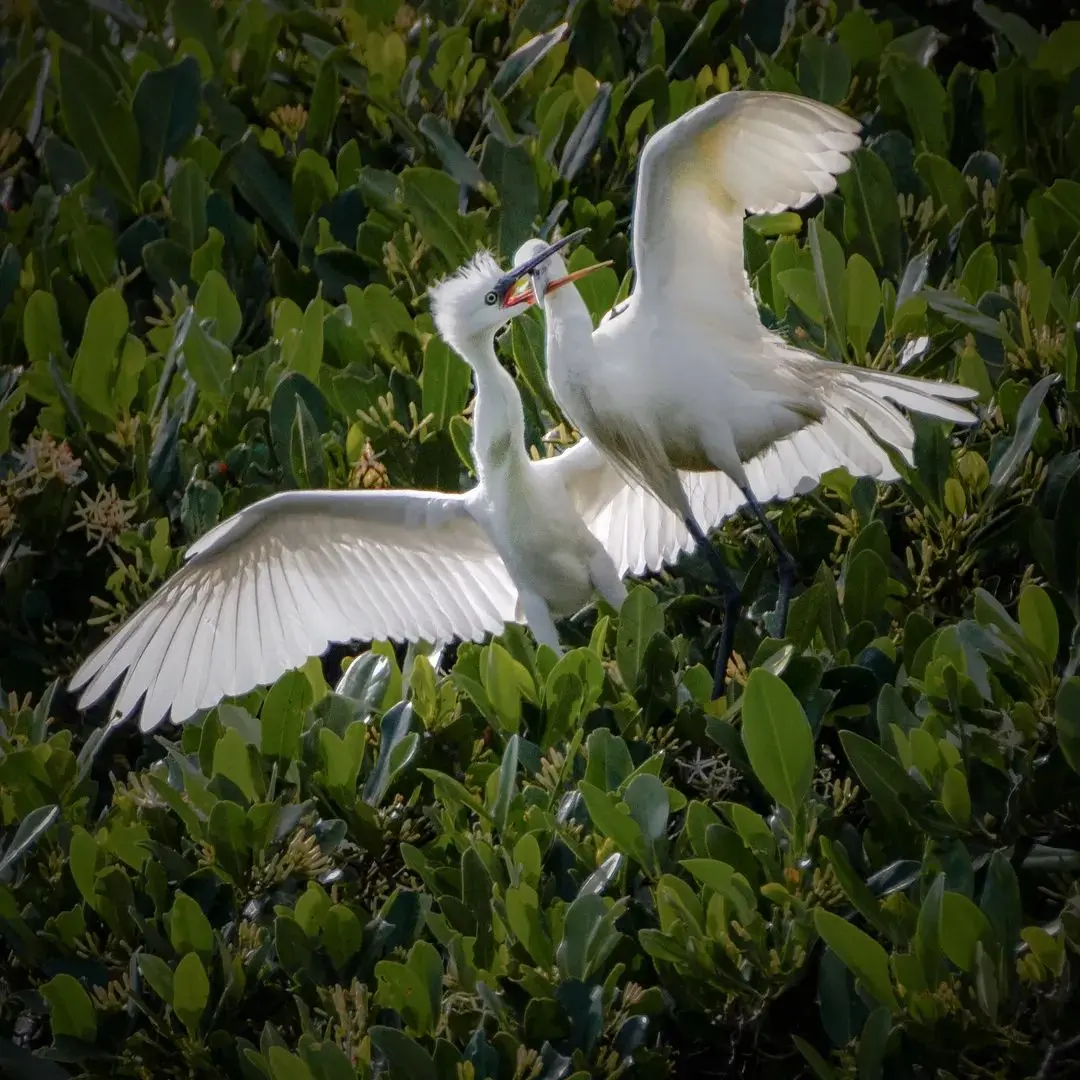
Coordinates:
x,y
455,296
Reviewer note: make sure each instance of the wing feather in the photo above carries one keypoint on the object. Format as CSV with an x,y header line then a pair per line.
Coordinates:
x,y
287,576
740,151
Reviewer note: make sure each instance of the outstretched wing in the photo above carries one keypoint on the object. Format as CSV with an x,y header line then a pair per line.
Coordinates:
x,y
637,530
740,151
285,577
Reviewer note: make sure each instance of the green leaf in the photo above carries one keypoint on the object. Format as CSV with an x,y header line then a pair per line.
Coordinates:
x,y
215,300
446,382
527,348
511,170
647,799
83,855
928,932
342,935
99,124
526,922
862,302
286,1066
866,587
166,111
963,926
18,91
589,936
97,361
189,928
263,189
282,716
325,103
158,974
824,70
778,739
855,889
800,286
437,131
828,268
31,829
307,457
393,732
208,361
1039,621
821,1068
609,762
405,1058
71,1012
612,822
191,991
314,185
955,796
882,776
872,223
525,58
42,333
640,619
504,679
431,198
1027,423
403,990
585,139
1067,720
1060,53
864,957
1000,902
507,783
232,761
923,99
1017,31
187,203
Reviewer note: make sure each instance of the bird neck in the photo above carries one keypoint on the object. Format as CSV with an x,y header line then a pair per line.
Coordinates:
x,y
568,334
498,418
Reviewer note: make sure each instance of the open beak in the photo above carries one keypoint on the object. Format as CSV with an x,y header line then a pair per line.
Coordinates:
x,y
513,289
523,292
577,275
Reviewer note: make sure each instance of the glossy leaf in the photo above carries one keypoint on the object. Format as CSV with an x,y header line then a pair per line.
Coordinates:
x,y
866,959
778,739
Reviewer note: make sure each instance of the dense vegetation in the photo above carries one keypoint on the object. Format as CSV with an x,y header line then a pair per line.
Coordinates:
x,y
220,218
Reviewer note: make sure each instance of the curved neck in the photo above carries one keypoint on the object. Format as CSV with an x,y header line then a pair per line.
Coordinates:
x,y
498,419
568,333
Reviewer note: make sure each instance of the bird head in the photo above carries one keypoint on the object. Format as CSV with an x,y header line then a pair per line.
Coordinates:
x,y
476,300
548,273
480,298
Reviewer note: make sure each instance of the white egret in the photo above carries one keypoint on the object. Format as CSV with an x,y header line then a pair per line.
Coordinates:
x,y
285,577
684,376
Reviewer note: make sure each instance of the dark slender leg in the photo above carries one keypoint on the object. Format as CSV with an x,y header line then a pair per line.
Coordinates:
x,y
787,563
732,604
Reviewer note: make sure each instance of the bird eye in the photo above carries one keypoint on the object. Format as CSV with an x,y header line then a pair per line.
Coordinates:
x,y
492,297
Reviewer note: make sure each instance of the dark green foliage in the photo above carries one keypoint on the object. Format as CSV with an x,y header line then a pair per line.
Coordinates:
x,y
219,223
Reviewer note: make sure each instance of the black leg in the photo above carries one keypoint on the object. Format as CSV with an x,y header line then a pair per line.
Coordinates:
x,y
786,570
732,604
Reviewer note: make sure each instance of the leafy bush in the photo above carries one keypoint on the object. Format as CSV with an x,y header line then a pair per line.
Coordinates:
x,y
220,220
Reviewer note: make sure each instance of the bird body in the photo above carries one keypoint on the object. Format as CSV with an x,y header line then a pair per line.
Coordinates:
x,y
290,574
685,376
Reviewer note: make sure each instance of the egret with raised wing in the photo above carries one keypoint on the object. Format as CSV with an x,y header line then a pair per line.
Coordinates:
x,y
285,577
683,375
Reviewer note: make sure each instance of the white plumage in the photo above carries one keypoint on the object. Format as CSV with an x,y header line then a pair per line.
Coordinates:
x,y
684,376
285,577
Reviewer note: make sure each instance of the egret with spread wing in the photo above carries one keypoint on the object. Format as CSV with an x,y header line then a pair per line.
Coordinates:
x,y
684,376
283,578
